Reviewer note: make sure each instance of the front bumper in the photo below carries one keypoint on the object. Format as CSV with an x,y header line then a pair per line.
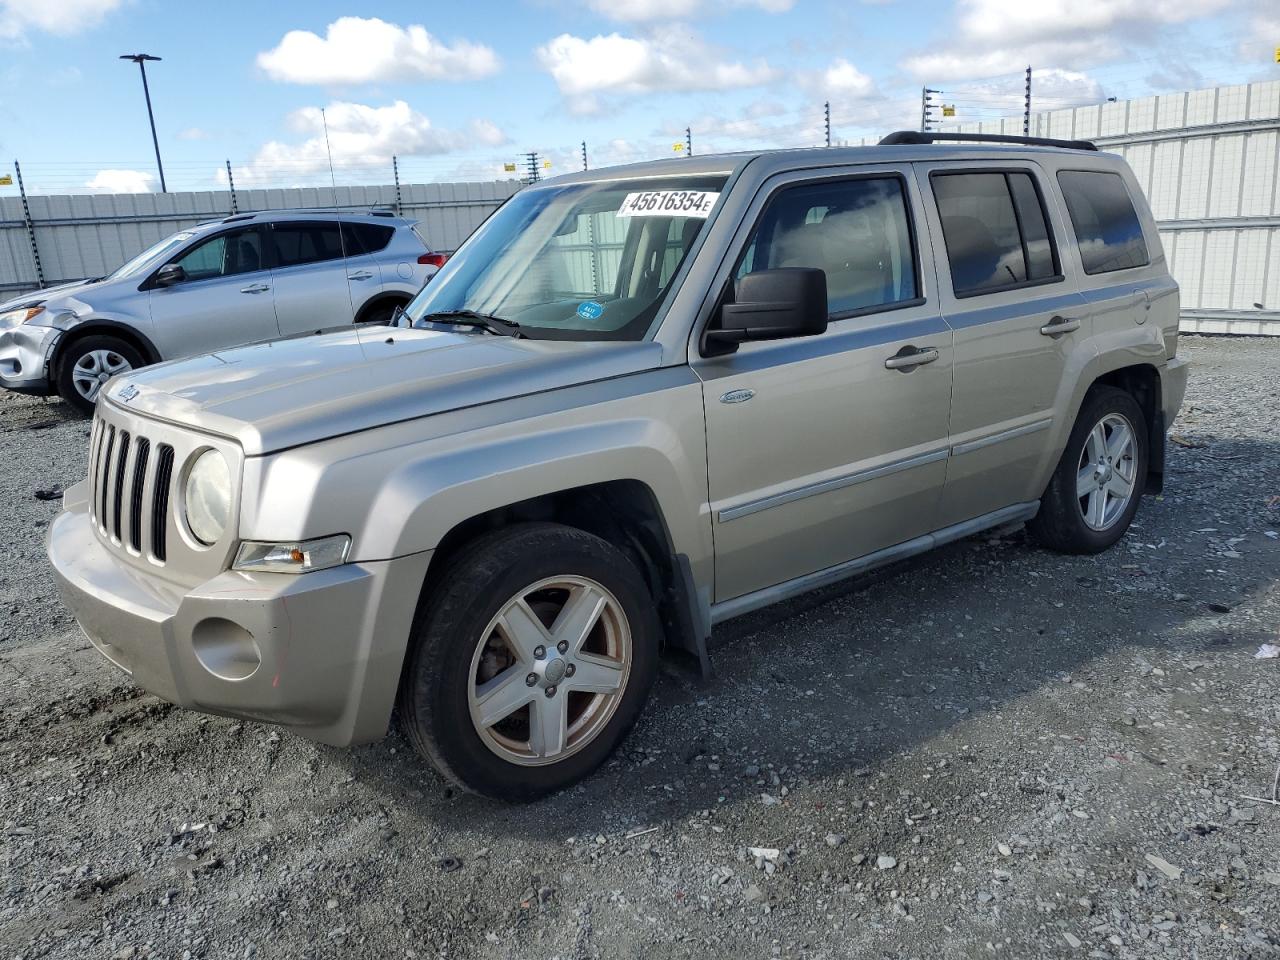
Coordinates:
x,y
24,357
319,653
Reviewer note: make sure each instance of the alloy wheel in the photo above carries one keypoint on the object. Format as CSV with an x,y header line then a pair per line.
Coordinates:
x,y
94,369
1106,476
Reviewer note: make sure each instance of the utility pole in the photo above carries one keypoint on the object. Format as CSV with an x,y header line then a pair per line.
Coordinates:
x,y
31,228
231,185
584,154
531,165
926,108
826,120
1026,109
395,172
140,59
688,142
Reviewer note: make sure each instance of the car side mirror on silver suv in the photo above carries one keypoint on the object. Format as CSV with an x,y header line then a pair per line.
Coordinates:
x,y
170,274
772,305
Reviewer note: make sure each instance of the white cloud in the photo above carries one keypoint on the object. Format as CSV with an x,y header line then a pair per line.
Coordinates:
x,y
642,10
1003,36
121,181
368,50
840,81
192,133
52,16
360,136
666,59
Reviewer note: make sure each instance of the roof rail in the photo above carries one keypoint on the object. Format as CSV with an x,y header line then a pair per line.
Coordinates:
x,y
347,211
917,136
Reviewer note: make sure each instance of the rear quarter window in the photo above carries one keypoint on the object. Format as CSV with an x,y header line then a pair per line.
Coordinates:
x,y
1105,222
366,237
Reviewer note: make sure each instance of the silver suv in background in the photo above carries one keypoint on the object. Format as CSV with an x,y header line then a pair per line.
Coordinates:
x,y
242,279
637,402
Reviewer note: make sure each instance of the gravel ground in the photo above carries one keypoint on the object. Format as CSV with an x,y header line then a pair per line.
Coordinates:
x,y
990,751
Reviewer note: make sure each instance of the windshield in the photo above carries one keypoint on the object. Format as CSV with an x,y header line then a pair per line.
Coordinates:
x,y
587,261
151,256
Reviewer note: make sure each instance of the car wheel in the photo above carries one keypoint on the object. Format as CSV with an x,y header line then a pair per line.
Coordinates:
x,y
531,659
88,364
1094,492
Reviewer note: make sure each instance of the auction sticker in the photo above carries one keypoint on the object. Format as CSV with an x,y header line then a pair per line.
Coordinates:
x,y
669,203
590,310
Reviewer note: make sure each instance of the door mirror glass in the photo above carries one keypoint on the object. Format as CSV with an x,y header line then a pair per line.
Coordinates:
x,y
774,305
170,274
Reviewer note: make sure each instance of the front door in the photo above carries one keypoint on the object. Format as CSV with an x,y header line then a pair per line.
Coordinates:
x,y
1021,328
224,301
826,448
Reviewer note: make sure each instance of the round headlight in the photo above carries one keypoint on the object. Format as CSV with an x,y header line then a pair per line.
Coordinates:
x,y
208,497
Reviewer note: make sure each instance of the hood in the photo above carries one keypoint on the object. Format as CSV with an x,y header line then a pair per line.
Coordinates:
x,y
51,297
285,393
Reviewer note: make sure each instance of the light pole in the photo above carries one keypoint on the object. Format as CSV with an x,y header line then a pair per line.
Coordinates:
x,y
140,59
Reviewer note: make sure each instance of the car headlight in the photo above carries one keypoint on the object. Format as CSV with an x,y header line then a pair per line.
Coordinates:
x,y
14,318
208,497
297,556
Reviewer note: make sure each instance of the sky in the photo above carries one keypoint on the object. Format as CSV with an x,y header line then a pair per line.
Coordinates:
x,y
459,90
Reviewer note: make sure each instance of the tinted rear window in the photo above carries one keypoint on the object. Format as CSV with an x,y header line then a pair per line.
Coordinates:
x,y
366,237
1105,222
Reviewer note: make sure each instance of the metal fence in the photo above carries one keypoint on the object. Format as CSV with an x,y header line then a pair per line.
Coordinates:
x,y
1209,162
51,239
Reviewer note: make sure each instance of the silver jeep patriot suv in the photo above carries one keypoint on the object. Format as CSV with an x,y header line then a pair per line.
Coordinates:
x,y
637,402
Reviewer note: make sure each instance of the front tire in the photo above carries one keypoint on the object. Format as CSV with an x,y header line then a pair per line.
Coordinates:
x,y
88,364
530,661
1094,492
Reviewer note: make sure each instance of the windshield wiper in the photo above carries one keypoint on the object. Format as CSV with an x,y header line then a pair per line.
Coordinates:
x,y
471,318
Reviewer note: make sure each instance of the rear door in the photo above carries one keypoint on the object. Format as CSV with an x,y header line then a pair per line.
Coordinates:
x,y
1021,327
818,452
225,300
317,287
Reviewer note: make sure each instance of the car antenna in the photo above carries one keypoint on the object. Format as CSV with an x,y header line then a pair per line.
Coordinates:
x,y
342,234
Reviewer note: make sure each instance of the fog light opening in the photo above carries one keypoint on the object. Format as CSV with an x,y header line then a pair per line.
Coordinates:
x,y
227,650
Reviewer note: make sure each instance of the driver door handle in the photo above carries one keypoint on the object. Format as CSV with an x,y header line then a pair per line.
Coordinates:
x,y
1060,325
256,288
916,358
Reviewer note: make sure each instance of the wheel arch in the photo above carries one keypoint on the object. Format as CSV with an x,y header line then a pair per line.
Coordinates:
x,y
1142,382
388,298
102,327
626,513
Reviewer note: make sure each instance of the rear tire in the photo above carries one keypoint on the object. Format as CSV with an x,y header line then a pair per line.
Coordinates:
x,y
83,365
494,695
379,314
1094,492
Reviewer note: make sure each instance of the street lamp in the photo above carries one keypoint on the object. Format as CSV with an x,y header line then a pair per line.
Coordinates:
x,y
140,59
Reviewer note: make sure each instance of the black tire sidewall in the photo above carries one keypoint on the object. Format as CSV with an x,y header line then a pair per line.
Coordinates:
x,y
435,695
1099,404
72,355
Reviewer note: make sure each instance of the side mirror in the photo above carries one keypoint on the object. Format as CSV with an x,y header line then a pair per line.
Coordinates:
x,y
170,274
773,305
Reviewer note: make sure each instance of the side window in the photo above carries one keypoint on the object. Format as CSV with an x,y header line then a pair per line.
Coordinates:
x,y
363,238
239,251
995,231
857,231
1106,225
300,243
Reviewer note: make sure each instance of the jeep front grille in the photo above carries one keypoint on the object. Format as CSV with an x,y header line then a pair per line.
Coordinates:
x,y
120,469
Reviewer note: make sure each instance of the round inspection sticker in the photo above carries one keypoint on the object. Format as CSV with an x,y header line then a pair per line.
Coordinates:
x,y
590,310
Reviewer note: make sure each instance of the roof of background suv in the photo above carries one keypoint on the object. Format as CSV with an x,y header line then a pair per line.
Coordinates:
x,y
389,217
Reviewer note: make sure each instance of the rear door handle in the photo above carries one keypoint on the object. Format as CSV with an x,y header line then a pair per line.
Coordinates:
x,y
1060,325
256,288
359,275
904,360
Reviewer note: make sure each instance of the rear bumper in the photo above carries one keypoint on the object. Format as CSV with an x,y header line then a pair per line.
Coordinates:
x,y
1173,387
319,653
